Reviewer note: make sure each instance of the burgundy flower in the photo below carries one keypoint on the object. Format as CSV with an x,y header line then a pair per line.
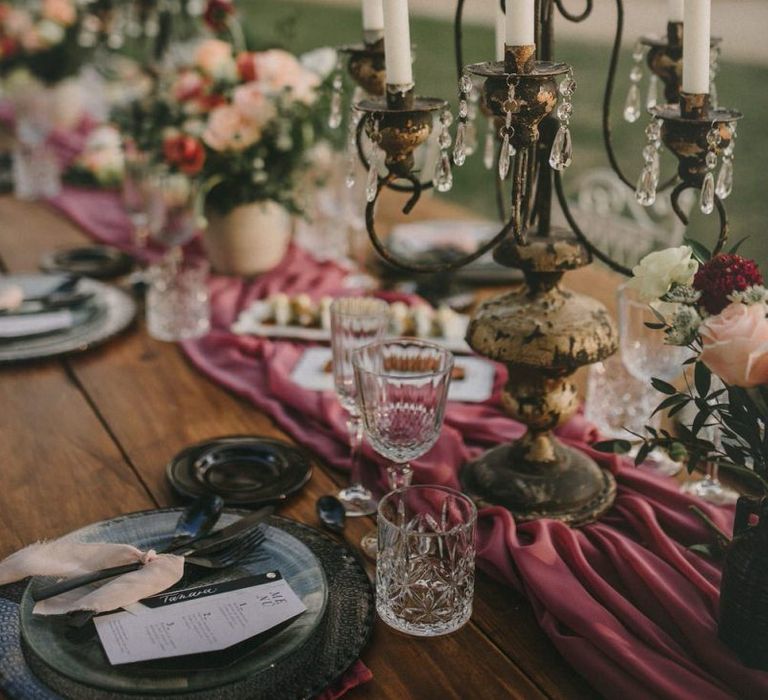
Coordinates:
x,y
185,152
724,275
217,12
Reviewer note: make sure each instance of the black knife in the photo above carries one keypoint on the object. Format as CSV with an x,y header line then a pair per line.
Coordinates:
x,y
196,545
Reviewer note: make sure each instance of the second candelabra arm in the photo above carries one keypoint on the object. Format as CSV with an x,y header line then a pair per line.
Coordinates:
x,y
417,187
610,82
722,237
409,266
570,16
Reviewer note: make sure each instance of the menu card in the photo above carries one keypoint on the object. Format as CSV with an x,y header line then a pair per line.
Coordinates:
x,y
198,620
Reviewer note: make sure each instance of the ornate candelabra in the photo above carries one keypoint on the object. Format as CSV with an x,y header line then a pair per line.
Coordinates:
x,y
542,331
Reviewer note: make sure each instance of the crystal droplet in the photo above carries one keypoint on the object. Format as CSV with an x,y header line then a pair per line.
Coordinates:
x,y
725,179
710,160
645,193
489,148
707,200
561,155
504,156
444,139
351,176
443,174
465,84
459,153
372,183
568,86
636,74
334,117
470,139
653,92
632,105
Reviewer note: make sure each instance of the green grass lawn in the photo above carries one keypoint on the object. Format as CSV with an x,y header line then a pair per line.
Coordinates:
x,y
301,27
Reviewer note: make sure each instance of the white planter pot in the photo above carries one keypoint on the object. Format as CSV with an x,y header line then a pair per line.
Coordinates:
x,y
249,240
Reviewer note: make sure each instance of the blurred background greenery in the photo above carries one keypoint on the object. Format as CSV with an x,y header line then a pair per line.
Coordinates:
x,y
303,26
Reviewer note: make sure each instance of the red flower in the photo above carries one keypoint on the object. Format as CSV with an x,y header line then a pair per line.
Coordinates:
x,y
724,275
185,152
246,66
217,12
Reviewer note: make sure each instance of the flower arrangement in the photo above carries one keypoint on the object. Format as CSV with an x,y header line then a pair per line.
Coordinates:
x,y
42,37
716,306
101,162
240,123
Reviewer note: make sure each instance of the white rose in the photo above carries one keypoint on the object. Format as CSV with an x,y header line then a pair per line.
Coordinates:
x,y
50,32
658,271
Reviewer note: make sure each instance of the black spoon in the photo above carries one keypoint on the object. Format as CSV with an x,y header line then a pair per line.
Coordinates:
x,y
330,511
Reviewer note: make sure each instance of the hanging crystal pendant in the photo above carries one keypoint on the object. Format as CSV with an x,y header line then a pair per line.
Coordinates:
x,y
632,104
724,185
372,183
489,146
504,156
459,153
645,193
351,176
443,175
707,200
470,138
334,116
561,155
653,92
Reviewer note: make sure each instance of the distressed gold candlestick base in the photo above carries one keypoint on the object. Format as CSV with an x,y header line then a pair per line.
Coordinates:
x,y
365,63
543,333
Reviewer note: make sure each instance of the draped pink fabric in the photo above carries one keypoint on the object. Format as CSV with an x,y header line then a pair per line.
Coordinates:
x,y
623,600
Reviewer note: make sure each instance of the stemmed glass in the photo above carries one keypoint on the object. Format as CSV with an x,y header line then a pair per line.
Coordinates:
x,y
355,322
135,194
402,389
645,355
710,488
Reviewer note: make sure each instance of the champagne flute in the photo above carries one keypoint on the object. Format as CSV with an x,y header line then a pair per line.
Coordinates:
x,y
355,322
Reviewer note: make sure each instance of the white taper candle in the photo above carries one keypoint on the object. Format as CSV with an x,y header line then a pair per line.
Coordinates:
x,y
696,33
501,31
397,42
373,15
675,10
520,22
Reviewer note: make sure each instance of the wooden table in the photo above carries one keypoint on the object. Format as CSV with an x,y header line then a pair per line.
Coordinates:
x,y
86,438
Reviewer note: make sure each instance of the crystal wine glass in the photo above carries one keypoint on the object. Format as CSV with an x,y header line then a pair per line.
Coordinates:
x,y
355,322
402,389
135,194
645,355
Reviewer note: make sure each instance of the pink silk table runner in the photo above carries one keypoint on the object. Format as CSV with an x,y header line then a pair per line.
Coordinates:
x,y
623,600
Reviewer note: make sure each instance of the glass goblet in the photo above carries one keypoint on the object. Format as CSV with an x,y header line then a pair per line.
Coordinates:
x,y
135,194
355,322
402,389
645,355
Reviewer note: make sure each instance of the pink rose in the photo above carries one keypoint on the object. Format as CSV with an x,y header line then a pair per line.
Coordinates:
x,y
214,58
229,130
253,104
60,11
735,345
188,85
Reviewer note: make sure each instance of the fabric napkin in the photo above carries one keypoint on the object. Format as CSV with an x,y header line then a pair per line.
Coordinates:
x,y
66,559
25,325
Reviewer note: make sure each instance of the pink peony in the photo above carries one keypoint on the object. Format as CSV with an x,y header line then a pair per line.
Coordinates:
x,y
253,104
229,130
214,58
60,11
279,70
735,345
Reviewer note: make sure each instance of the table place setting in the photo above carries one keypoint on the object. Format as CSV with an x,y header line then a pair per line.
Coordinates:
x,y
383,473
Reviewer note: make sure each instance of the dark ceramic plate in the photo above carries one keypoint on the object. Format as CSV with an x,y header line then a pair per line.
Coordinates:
x,y
245,470
96,261
107,313
299,661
